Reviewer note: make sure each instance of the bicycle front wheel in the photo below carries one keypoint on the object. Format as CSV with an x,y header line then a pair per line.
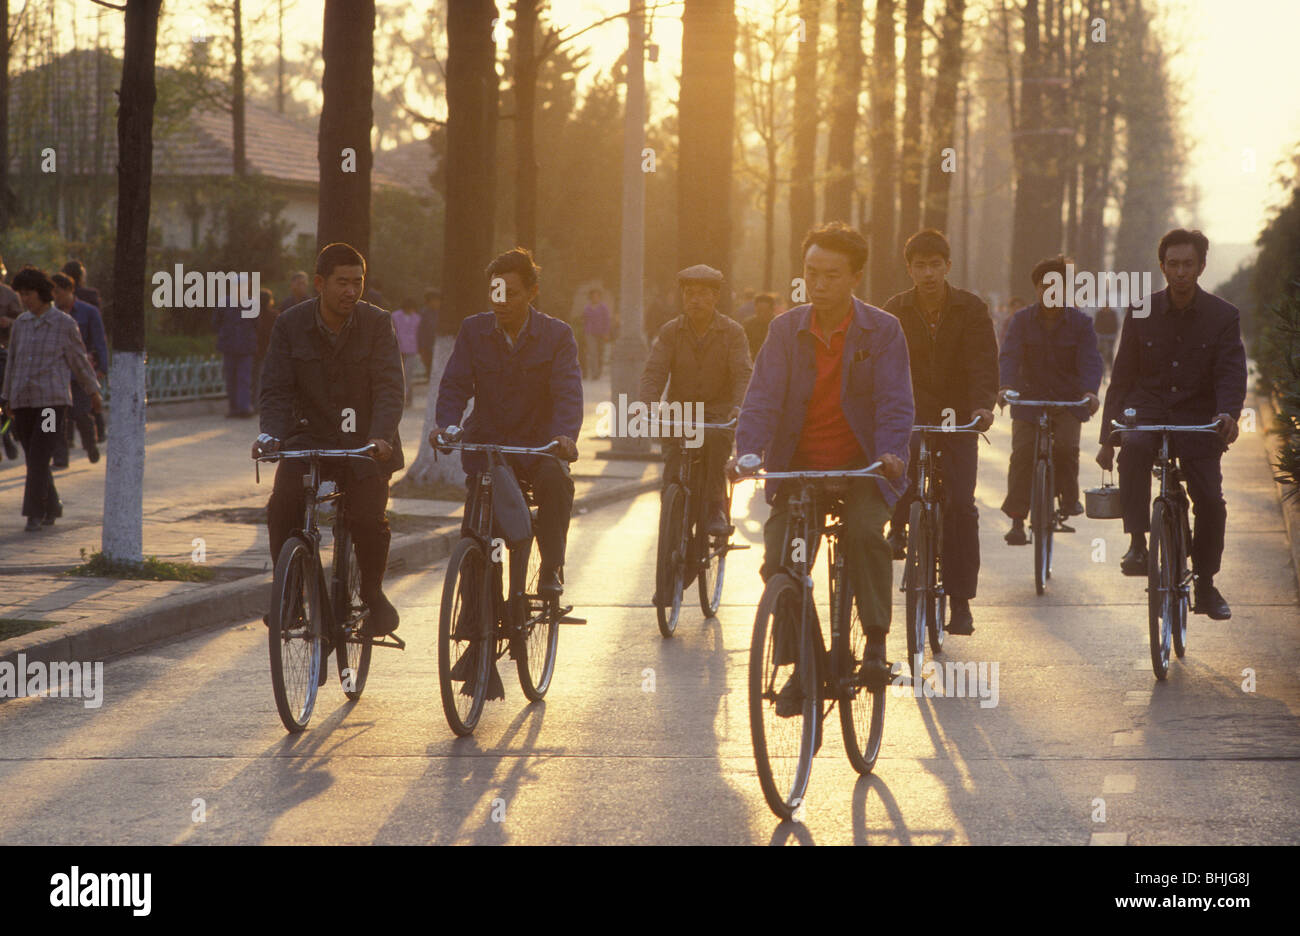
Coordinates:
x,y
938,598
669,569
294,637
539,639
713,568
1040,523
783,705
916,581
466,643
355,648
1161,596
862,712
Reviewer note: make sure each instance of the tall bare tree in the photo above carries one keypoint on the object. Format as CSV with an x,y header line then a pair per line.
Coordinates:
x,y
524,65
706,122
469,177
883,260
943,116
909,178
849,60
803,194
123,536
346,119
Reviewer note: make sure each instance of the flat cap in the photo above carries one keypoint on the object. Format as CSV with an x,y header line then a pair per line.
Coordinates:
x,y
700,273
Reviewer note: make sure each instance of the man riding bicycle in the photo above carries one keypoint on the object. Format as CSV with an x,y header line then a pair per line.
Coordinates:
x,y
702,356
1183,363
333,379
1050,353
521,368
954,364
831,389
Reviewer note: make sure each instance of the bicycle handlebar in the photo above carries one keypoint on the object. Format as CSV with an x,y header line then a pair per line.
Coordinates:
x,y
731,424
760,475
362,452
1013,397
1208,427
969,427
501,449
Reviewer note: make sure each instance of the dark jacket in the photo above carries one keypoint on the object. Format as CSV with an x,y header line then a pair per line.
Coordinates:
x,y
1042,363
235,334
88,294
307,384
91,324
956,369
875,390
713,369
526,396
1179,369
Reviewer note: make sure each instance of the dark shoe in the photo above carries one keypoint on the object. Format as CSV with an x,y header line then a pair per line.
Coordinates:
x,y
60,464
789,701
719,525
53,514
549,583
1134,561
1207,600
874,673
383,617
1016,535
92,452
960,621
32,525
897,544
1077,509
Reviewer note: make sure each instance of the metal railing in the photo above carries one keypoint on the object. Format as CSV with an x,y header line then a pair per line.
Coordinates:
x,y
196,377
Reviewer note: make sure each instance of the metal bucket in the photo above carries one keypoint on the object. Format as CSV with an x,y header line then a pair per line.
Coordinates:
x,y
1102,503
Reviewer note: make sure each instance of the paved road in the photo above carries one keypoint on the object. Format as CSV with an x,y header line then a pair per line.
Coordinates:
x,y
1079,720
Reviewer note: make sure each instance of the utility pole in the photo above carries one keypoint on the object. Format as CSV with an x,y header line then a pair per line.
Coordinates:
x,y
628,355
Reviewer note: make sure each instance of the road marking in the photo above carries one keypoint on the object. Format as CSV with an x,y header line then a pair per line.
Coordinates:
x,y
1119,783
1108,838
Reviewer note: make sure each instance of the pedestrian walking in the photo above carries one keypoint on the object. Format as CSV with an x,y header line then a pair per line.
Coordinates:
x,y
45,351
267,313
406,322
596,322
91,327
237,345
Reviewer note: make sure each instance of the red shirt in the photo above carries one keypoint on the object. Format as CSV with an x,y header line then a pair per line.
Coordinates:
x,y
827,440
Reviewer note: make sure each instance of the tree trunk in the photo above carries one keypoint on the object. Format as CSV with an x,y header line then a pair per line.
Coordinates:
x,y
884,251
909,183
470,180
123,532
1098,123
1027,243
346,119
837,202
706,134
7,199
238,136
944,117
525,88
803,193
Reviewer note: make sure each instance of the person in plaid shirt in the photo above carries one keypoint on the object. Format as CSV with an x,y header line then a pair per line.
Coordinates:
x,y
45,353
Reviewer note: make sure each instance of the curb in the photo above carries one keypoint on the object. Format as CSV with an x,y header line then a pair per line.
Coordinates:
x,y
216,605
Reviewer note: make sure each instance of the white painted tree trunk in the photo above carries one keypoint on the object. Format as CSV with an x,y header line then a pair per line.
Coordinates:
x,y
424,470
123,537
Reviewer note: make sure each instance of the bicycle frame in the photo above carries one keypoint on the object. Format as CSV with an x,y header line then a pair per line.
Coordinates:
x,y
691,477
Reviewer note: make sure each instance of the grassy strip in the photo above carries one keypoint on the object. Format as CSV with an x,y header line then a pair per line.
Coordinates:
x,y
16,627
98,565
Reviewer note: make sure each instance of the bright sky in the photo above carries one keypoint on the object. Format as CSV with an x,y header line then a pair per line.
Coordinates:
x,y
1239,66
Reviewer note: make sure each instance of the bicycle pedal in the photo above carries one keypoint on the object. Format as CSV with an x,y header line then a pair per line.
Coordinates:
x,y
391,640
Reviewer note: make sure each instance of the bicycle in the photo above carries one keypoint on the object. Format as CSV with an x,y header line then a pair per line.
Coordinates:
x,y
788,644
477,625
1169,580
1043,519
927,601
298,628
686,551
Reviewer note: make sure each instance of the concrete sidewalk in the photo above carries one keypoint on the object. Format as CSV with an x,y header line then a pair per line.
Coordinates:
x,y
200,494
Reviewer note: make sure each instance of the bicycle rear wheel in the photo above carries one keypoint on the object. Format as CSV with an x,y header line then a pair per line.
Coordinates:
x,y
466,644
669,569
294,637
916,581
938,598
1040,522
355,648
1160,588
535,656
1183,578
781,656
862,712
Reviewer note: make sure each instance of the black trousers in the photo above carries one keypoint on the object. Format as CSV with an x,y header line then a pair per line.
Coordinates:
x,y
1065,462
80,419
957,456
552,490
363,510
717,449
40,437
1204,476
